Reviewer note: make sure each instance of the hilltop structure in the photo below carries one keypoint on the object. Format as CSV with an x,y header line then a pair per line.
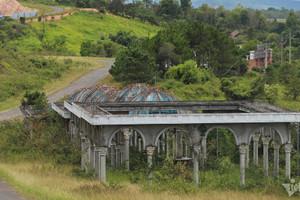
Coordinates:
x,y
107,121
9,7
259,57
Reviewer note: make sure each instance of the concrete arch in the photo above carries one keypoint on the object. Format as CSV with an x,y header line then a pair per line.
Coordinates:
x,y
119,129
169,127
226,127
256,129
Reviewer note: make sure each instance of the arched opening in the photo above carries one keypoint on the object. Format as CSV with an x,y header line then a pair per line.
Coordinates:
x,y
219,145
126,145
265,145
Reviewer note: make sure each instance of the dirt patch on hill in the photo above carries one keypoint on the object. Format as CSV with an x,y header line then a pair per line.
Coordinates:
x,y
8,7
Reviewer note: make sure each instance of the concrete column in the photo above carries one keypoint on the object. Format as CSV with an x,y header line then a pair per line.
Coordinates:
x,y
163,144
92,156
204,139
118,155
243,150
288,149
247,157
196,154
158,146
179,144
83,154
276,146
150,150
167,144
266,141
102,163
140,146
256,137
88,154
126,148
135,138
97,163
184,150
113,154
173,145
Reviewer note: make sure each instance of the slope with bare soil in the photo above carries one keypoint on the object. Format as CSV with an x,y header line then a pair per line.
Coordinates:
x,y
8,7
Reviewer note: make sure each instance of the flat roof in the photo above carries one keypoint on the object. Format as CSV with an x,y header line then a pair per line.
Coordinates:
x,y
195,112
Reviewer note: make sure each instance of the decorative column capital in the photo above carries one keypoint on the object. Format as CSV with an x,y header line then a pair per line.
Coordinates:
x,y
266,140
127,134
288,148
243,148
276,144
150,150
197,149
256,137
102,151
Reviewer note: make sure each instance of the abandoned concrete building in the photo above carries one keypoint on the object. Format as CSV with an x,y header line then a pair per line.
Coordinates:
x,y
107,121
258,58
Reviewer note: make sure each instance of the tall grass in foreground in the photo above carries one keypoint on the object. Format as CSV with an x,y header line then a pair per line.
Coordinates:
x,y
47,181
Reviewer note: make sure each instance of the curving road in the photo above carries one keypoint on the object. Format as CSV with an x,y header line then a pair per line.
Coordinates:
x,y
92,78
55,10
7,193
87,80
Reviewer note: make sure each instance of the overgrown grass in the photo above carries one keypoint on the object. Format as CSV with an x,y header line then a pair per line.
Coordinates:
x,y
77,67
48,181
82,26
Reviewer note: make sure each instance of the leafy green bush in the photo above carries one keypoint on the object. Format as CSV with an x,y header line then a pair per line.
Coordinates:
x,y
41,138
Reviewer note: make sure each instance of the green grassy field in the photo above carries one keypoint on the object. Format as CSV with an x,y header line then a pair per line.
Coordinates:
x,y
82,26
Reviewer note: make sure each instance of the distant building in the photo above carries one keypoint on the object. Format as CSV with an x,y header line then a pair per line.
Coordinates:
x,y
257,57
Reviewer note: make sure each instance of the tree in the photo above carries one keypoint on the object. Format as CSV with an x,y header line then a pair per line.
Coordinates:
x,y
291,20
289,77
36,99
185,6
166,56
134,65
116,6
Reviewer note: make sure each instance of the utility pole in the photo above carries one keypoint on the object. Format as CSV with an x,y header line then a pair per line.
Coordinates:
x,y
266,57
290,48
297,149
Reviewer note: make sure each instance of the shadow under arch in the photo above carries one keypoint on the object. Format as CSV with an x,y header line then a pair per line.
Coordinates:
x,y
167,128
257,129
122,128
225,127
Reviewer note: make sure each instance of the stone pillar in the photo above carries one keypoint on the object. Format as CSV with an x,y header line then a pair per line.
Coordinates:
x,y
126,148
113,154
276,146
266,141
243,150
97,163
287,149
167,144
179,144
256,137
92,159
83,154
135,138
140,146
102,163
184,148
150,150
173,145
118,155
247,157
196,154
204,157
163,144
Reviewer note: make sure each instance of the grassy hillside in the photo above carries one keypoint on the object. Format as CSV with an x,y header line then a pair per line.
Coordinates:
x,y
79,27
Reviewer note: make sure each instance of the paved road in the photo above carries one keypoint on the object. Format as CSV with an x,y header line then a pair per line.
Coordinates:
x,y
7,193
85,81
55,10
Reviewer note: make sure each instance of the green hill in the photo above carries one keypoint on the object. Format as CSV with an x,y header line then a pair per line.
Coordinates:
x,y
81,26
